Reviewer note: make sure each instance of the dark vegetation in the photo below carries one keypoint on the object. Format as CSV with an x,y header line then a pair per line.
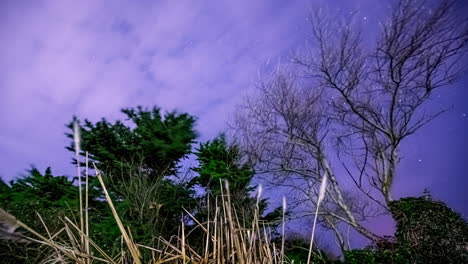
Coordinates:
x,y
153,206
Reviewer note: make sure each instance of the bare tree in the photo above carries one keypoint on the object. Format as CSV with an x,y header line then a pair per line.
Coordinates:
x,y
284,129
380,95
356,106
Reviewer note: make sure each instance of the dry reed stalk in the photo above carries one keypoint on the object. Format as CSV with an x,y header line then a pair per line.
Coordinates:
x,y
76,138
130,244
51,238
235,238
87,250
207,232
323,188
102,252
183,241
282,230
10,220
216,231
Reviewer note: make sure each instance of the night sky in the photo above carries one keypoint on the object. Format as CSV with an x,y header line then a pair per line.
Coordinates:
x,y
91,58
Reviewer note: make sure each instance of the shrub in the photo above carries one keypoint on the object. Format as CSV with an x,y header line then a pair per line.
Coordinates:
x,y
427,232
430,231
360,256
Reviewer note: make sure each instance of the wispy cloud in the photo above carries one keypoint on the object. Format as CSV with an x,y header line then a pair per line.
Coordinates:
x,y
91,58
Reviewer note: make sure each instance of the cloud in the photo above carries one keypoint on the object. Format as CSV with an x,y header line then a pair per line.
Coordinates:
x,y
91,58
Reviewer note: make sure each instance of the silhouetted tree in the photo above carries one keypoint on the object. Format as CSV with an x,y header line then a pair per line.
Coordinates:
x,y
345,102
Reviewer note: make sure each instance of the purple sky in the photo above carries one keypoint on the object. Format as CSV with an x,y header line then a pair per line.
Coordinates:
x,y
91,58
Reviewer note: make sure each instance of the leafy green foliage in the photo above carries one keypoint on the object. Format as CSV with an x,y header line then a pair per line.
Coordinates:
x,y
374,255
36,193
138,161
219,161
297,250
427,232
358,256
53,198
430,231
153,208
136,158
154,144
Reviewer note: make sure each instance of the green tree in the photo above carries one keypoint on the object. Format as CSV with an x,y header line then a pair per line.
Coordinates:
x,y
38,192
50,196
139,158
153,143
219,161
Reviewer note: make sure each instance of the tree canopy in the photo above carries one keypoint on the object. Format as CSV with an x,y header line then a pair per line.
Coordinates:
x,y
220,161
153,143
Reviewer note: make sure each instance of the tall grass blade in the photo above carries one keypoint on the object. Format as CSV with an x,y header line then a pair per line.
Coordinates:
x,y
323,189
76,138
132,247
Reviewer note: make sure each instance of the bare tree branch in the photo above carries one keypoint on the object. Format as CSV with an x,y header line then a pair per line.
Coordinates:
x,y
355,104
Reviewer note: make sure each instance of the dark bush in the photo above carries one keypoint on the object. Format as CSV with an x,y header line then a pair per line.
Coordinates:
x,y
427,232
430,231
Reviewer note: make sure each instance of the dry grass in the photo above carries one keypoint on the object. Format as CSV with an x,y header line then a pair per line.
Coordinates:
x,y
226,239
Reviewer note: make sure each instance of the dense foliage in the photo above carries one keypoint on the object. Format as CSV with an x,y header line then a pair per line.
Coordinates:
x,y
153,144
297,250
427,232
219,161
51,197
137,161
431,231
